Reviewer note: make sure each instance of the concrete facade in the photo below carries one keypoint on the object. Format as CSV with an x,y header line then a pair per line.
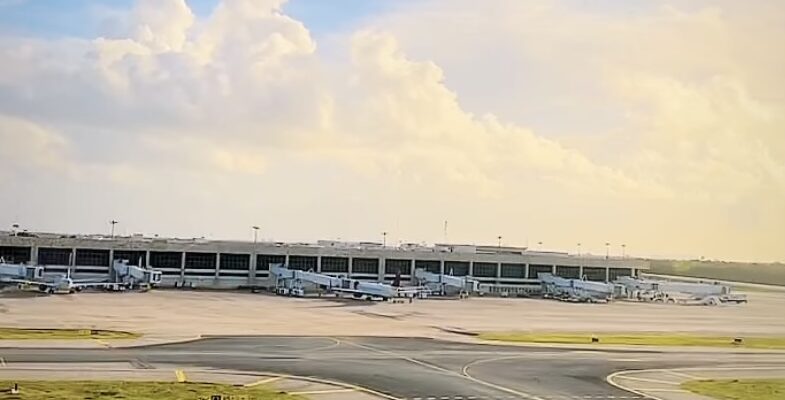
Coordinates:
x,y
228,264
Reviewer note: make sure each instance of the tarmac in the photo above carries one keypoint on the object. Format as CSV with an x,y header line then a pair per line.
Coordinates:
x,y
403,368
188,314
412,351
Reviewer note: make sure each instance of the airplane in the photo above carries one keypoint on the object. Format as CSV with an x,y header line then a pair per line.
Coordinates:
x,y
576,290
123,276
290,282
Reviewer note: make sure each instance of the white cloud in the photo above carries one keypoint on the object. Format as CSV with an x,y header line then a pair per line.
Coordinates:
x,y
683,123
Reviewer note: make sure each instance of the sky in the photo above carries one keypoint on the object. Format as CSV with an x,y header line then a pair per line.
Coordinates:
x,y
655,124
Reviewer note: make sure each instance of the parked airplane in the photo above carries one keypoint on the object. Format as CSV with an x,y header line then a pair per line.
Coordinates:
x,y
576,290
291,282
122,276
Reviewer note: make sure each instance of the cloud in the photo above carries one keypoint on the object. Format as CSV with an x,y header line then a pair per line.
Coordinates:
x,y
660,126
26,145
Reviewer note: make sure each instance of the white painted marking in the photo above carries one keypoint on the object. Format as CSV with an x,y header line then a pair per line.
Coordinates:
x,y
633,378
681,374
2,362
663,390
448,372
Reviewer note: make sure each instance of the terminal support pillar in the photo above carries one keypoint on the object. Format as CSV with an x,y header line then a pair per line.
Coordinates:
x,y
526,271
217,264
349,267
580,272
34,255
286,261
182,267
498,271
411,270
111,264
441,266
72,261
471,268
381,269
607,274
318,263
252,269
147,259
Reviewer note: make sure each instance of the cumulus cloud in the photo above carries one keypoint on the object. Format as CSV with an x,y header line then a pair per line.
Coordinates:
x,y
671,119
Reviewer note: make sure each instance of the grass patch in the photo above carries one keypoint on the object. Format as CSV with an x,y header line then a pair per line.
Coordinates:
x,y
101,390
649,339
20,334
738,389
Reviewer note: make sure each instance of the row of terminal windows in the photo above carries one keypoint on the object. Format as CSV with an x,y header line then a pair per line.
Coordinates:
x,y
241,263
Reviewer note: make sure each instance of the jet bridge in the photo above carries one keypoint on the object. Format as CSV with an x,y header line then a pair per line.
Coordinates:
x,y
291,282
442,285
662,291
122,276
575,290
13,273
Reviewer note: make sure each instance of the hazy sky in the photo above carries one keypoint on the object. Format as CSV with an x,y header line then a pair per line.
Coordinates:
x,y
658,124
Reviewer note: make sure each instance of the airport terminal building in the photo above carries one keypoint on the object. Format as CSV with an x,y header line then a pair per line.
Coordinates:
x,y
234,264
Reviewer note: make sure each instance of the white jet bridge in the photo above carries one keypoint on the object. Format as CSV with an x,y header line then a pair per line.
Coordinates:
x,y
575,290
122,276
15,273
661,291
292,282
442,285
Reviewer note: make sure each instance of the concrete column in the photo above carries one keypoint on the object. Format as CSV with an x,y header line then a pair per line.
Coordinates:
x,y
217,264
553,269
526,271
34,255
498,270
252,268
147,259
350,266
441,266
318,263
607,274
381,271
182,266
471,268
111,264
411,270
580,272
72,261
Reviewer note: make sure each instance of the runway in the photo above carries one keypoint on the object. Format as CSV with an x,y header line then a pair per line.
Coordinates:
x,y
411,368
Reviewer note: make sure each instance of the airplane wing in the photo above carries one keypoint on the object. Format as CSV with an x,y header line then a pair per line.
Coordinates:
x,y
87,284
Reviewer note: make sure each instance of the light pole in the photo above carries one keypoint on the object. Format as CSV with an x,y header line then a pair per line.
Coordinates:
x,y
623,250
500,240
384,239
607,250
579,249
540,245
255,232
16,229
113,222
